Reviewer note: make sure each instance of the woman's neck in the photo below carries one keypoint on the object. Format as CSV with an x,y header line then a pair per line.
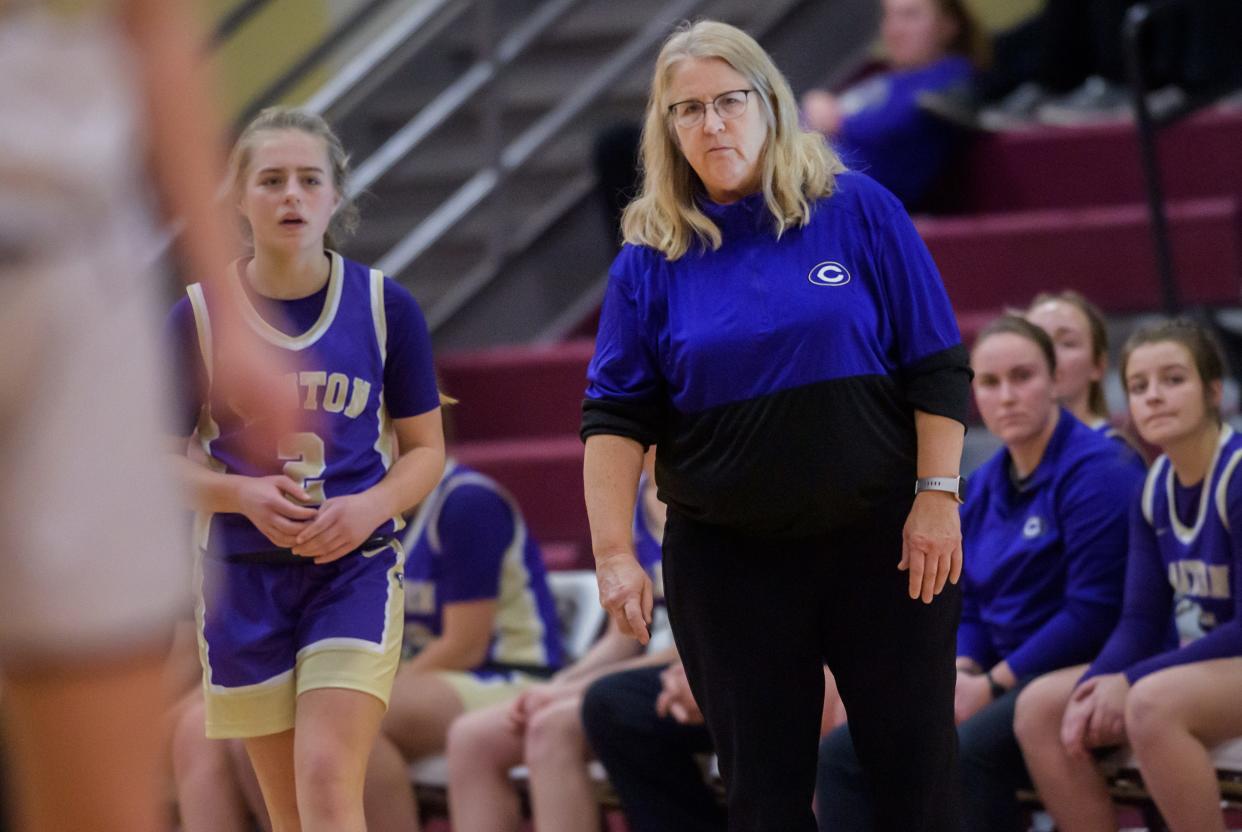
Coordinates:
x,y
1081,409
1191,455
282,275
1027,455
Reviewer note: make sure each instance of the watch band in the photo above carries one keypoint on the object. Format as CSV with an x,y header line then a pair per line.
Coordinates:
x,y
953,485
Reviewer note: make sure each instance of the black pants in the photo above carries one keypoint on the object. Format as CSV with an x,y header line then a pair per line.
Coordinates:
x,y
651,760
991,764
755,619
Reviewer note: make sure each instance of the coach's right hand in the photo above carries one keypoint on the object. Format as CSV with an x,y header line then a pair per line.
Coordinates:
x,y
625,592
268,502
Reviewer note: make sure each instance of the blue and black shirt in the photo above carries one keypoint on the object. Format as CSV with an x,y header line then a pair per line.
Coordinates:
x,y
779,377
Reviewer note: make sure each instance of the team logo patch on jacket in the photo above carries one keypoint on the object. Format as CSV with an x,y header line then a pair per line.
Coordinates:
x,y
829,273
1033,527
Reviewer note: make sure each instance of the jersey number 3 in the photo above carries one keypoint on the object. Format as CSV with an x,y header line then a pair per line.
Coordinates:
x,y
306,464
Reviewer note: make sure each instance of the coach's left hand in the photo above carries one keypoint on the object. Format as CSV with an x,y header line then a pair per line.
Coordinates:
x,y
931,546
341,526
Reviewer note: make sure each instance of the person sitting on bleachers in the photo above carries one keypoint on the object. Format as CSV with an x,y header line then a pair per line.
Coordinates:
x,y
876,124
1044,542
646,728
542,727
480,626
1080,336
1166,682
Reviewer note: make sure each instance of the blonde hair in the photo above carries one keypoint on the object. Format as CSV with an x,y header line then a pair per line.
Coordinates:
x,y
1096,328
345,219
798,166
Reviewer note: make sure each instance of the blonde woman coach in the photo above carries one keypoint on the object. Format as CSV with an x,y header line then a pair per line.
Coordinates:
x,y
776,327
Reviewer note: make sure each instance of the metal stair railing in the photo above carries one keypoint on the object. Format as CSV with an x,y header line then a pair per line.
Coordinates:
x,y
457,94
403,38
1138,21
235,18
469,196
399,41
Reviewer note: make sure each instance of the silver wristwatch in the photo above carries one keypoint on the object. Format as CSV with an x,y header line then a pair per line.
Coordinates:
x,y
954,485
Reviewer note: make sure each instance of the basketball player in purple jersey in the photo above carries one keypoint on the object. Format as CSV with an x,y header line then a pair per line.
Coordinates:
x,y
301,602
1166,681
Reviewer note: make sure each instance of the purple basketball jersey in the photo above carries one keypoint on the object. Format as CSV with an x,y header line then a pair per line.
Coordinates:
x,y
349,444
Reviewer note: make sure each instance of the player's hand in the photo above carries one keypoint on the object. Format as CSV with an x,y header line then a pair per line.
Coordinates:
x,y
533,700
268,502
1076,719
1107,725
676,699
971,695
1095,715
342,525
625,592
931,546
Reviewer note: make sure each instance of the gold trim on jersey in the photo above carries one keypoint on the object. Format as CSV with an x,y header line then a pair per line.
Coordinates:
x,y
207,431
202,323
378,313
1184,534
386,442
518,630
274,336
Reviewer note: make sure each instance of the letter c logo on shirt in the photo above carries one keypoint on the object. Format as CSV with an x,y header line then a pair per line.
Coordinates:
x,y
1033,527
829,273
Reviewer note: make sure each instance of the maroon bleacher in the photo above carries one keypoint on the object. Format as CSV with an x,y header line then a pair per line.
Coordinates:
x,y
517,391
1056,208
1099,165
517,421
995,260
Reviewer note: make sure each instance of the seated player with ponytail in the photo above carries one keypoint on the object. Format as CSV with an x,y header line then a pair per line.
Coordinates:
x,y
1166,682
1080,337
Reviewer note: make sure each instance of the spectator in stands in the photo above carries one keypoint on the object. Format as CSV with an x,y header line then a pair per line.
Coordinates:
x,y
1080,72
1166,682
876,124
648,732
1080,337
542,727
480,626
1076,63
1044,535
796,401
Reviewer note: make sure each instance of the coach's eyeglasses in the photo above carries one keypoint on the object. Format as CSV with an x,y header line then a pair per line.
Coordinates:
x,y
728,105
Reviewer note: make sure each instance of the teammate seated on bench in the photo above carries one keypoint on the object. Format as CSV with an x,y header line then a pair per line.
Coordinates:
x,y
1166,682
542,728
1080,339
